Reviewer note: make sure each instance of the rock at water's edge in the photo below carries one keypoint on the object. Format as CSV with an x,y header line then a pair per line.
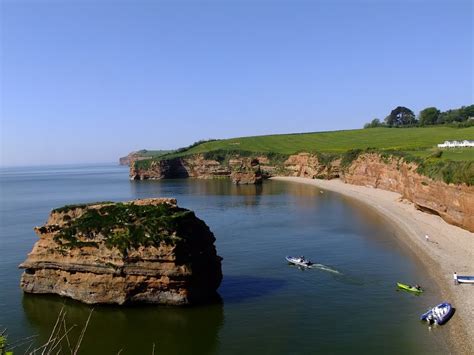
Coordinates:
x,y
149,251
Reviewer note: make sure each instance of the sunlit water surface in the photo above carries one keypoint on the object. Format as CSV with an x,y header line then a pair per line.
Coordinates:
x,y
268,306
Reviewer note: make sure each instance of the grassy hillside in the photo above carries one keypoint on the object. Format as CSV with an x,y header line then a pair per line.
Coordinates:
x,y
414,144
419,140
153,153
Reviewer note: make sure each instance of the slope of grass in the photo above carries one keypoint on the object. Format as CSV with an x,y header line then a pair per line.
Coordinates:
x,y
400,139
153,153
417,144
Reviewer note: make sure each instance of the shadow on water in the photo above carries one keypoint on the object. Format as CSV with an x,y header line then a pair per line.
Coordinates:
x,y
173,330
236,289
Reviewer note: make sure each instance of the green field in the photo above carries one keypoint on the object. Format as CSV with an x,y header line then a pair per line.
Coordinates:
x,y
420,140
454,165
153,153
455,154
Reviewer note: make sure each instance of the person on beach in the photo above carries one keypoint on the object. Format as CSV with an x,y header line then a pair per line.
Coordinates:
x,y
455,278
427,237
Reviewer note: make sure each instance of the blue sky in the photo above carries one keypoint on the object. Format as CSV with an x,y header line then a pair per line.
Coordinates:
x,y
89,81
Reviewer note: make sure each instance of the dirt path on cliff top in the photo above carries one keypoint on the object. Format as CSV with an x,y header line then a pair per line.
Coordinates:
x,y
449,249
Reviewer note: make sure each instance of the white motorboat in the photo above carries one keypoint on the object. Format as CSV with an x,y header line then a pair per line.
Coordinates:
x,y
299,261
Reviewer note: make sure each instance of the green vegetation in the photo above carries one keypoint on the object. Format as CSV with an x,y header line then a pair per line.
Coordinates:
x,y
126,226
146,163
404,117
400,116
78,205
153,153
429,116
336,142
461,154
417,144
455,172
456,154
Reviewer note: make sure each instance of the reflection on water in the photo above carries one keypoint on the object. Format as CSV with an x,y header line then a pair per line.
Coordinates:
x,y
133,329
240,288
268,306
251,194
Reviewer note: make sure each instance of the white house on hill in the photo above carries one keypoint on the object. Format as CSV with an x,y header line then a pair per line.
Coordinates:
x,y
456,144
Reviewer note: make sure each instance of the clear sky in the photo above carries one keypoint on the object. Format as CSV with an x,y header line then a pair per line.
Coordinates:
x,y
89,81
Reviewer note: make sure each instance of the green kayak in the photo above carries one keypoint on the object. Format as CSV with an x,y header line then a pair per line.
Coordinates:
x,y
409,288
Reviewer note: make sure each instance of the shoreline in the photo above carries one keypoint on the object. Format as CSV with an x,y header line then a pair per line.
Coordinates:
x,y
450,249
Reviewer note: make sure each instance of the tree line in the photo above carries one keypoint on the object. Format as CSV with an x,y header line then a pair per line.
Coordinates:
x,y
404,117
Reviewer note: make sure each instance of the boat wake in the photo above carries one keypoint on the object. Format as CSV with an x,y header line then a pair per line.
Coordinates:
x,y
325,268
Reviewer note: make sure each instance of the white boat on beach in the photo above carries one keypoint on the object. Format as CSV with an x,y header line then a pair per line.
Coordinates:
x,y
465,279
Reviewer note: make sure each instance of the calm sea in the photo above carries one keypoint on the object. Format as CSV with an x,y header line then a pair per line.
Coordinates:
x,y
268,306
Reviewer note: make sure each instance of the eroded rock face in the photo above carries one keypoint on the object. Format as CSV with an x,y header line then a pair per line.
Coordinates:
x,y
246,172
195,166
148,251
308,166
130,158
239,169
454,203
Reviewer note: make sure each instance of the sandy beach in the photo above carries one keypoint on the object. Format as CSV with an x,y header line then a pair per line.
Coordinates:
x,y
449,249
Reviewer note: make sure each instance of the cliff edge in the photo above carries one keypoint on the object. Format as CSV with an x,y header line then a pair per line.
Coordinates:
x,y
451,201
149,251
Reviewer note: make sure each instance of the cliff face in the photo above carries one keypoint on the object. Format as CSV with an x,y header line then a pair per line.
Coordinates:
x,y
308,166
141,251
454,203
195,166
242,170
246,171
130,158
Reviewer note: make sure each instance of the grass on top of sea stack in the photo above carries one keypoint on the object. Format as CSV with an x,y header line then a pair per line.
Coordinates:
x,y
125,225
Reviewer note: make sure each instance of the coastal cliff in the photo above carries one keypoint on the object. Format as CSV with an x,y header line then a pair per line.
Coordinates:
x,y
241,169
453,202
149,251
130,158
143,154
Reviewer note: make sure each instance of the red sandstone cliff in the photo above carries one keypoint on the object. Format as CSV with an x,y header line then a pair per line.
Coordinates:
x,y
142,251
130,158
308,166
454,203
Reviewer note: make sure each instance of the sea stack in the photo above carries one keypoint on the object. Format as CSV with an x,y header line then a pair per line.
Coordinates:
x,y
148,251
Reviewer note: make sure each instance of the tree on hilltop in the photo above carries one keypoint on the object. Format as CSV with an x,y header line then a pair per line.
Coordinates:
x,y
400,116
429,116
374,123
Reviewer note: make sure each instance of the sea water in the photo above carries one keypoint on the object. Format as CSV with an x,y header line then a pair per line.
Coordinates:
x,y
268,306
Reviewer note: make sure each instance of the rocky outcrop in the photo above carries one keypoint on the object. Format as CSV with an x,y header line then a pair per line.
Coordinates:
x,y
130,158
454,203
308,166
148,251
159,169
196,166
242,170
247,172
